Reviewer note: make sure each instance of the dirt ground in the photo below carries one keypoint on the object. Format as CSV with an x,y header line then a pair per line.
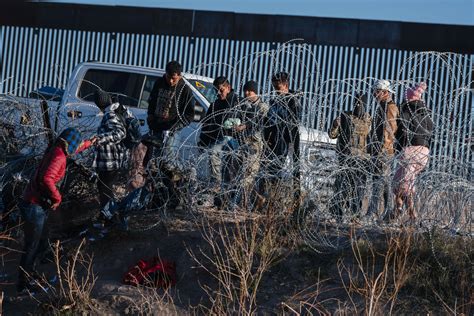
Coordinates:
x,y
293,278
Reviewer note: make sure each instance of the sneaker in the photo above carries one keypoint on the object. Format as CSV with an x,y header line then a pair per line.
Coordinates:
x,y
103,220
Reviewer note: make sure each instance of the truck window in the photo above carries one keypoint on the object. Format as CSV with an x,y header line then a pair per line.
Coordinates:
x,y
205,88
147,87
124,86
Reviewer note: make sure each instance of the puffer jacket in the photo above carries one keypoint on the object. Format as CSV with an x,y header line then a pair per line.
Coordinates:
x,y
42,189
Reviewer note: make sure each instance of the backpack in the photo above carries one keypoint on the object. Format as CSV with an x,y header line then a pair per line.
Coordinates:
x,y
357,143
132,127
152,272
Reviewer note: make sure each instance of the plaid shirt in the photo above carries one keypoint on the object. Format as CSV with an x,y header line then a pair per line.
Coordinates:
x,y
111,152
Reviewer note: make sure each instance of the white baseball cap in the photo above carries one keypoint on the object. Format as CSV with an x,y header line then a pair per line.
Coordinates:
x,y
383,85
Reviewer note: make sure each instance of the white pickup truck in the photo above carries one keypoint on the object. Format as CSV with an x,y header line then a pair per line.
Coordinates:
x,y
56,109
23,119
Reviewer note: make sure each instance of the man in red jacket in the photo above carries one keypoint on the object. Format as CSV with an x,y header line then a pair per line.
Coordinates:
x,y
42,195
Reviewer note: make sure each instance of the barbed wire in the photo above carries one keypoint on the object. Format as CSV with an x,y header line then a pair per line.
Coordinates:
x,y
305,179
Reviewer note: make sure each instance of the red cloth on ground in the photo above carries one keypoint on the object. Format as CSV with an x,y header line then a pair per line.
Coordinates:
x,y
153,272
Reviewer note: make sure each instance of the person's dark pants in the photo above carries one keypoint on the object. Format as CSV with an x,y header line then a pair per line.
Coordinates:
x,y
381,187
273,167
357,180
338,202
104,185
136,200
350,185
36,238
163,151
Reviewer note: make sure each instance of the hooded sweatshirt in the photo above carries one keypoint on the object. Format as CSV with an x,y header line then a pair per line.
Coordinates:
x,y
170,106
281,125
219,111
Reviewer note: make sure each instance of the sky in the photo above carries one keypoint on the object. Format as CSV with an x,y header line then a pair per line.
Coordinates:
x,y
459,12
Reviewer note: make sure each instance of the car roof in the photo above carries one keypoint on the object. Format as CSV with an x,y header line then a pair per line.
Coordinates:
x,y
141,69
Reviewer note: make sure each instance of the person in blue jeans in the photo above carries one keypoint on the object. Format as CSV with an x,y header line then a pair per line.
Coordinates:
x,y
42,196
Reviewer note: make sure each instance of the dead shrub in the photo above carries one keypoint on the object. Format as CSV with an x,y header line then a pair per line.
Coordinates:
x,y
377,276
75,281
240,248
443,273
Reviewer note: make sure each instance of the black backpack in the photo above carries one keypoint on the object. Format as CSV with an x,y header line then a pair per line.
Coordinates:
x,y
132,126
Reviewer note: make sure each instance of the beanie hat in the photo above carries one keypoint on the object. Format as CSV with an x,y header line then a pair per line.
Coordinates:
x,y
102,99
281,77
73,139
251,86
414,93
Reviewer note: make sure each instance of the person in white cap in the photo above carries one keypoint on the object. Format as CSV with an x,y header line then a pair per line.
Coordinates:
x,y
381,147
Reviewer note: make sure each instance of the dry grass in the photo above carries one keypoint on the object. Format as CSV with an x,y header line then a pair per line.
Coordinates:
x,y
443,274
152,301
75,281
309,302
237,256
377,276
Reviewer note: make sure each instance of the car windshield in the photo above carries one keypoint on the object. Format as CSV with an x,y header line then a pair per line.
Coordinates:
x,y
205,88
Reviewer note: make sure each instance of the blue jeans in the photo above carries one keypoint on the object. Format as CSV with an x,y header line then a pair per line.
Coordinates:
x,y
134,201
36,237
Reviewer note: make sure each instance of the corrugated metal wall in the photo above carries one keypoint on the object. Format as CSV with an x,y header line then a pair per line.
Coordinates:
x,y
329,75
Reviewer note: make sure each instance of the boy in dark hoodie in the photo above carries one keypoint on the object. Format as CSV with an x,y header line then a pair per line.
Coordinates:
x,y
212,131
171,108
171,105
281,131
42,195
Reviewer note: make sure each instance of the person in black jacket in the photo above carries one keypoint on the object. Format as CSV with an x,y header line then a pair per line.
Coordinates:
x,y
281,131
171,108
213,134
351,129
413,136
171,105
